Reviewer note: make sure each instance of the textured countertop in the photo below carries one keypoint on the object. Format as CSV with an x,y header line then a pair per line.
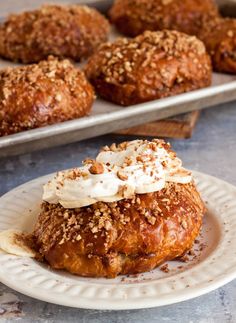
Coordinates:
x,y
212,150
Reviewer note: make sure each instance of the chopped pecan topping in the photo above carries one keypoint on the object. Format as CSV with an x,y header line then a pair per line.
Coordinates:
x,y
96,168
122,176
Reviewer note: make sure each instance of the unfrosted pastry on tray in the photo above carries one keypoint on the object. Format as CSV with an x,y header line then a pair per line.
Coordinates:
x,y
151,66
70,31
219,37
132,17
42,94
126,212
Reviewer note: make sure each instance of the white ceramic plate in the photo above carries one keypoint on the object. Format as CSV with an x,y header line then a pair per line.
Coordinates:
x,y
214,265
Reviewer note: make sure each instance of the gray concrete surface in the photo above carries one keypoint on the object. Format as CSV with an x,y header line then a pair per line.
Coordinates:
x,y
212,150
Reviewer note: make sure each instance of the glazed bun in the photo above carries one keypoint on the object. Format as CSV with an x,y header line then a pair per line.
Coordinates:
x,y
219,37
133,17
151,66
42,94
70,31
129,233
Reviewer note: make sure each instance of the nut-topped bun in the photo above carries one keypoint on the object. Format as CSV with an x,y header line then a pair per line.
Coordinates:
x,y
42,94
219,36
70,31
132,17
151,66
125,212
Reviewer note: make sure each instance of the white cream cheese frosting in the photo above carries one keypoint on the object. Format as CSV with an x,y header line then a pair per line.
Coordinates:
x,y
135,167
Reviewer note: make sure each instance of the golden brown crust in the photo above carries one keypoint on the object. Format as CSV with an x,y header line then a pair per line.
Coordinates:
x,y
151,66
132,17
71,31
125,237
219,36
41,94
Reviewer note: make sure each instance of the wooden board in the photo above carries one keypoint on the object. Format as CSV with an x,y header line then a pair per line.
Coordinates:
x,y
180,126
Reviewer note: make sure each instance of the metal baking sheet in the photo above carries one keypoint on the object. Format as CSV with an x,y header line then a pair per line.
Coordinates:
x,y
107,117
